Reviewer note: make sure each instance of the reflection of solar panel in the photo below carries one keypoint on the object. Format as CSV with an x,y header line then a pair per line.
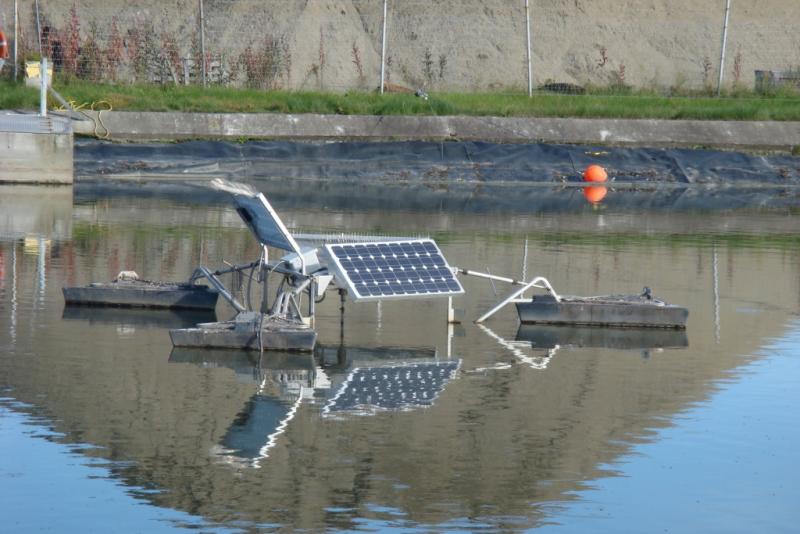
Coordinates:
x,y
255,426
393,269
398,387
264,222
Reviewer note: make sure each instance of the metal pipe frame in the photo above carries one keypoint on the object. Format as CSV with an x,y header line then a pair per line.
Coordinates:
x,y
204,272
538,282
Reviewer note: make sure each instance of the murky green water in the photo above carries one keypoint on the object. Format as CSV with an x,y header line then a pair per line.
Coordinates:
x,y
103,427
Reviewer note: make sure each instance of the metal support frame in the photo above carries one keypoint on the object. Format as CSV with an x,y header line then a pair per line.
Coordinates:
x,y
289,296
539,282
264,273
204,272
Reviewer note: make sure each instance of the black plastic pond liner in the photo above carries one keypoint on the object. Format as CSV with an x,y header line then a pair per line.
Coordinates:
x,y
465,176
429,161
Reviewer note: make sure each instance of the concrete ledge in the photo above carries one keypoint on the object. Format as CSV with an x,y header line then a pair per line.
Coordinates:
x,y
36,158
137,126
35,149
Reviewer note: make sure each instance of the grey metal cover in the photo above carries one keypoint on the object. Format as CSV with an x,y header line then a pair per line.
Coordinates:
x,y
35,124
393,269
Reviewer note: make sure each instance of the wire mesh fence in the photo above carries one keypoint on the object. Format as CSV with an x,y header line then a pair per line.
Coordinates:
x,y
430,45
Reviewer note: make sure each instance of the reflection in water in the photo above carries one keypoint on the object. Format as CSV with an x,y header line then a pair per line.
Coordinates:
x,y
550,336
715,271
348,380
133,317
391,387
35,210
282,382
595,193
502,445
12,323
517,348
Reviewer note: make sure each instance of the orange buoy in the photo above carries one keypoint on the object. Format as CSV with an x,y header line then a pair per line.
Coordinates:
x,y
595,193
595,173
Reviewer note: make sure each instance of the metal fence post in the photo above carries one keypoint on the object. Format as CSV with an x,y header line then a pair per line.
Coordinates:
x,y
383,47
39,29
528,32
724,42
203,43
16,40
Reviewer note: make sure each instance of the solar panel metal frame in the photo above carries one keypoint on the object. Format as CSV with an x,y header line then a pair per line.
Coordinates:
x,y
342,269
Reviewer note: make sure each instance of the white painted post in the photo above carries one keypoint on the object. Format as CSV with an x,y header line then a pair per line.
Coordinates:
x,y
528,31
724,42
43,87
383,47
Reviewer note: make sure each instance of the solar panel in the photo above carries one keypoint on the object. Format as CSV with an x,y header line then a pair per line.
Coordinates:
x,y
392,269
397,387
263,221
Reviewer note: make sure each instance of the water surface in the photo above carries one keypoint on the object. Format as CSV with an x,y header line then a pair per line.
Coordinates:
x,y
514,429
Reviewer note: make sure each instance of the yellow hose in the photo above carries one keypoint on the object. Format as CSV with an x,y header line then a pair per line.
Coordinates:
x,y
93,106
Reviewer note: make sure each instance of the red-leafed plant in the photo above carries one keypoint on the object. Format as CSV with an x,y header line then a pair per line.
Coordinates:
x,y
114,49
72,42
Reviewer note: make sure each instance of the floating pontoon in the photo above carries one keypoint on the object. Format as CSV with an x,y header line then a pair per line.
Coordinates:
x,y
129,291
641,311
248,330
613,310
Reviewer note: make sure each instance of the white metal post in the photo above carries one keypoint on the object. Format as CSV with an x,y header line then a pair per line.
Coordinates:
x,y
528,32
43,87
383,47
724,43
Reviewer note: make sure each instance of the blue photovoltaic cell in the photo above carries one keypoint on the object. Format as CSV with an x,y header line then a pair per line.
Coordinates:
x,y
395,269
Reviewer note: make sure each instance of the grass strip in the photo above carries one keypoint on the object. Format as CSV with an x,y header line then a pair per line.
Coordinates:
x,y
739,106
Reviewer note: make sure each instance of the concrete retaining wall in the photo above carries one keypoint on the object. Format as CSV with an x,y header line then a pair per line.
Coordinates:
x,y
170,126
35,158
35,149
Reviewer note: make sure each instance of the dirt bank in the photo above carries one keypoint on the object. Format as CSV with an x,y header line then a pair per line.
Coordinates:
x,y
460,45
